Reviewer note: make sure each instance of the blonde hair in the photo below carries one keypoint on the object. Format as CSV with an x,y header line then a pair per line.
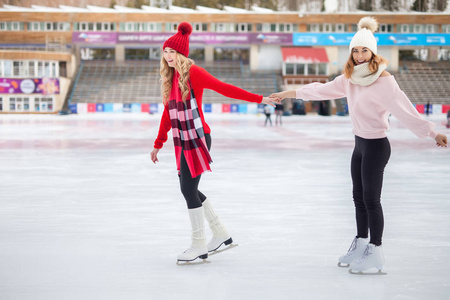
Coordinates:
x,y
374,62
183,66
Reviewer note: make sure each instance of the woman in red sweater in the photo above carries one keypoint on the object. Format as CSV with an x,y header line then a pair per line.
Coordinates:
x,y
182,90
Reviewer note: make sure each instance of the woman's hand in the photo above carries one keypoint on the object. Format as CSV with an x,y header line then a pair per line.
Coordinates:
x,y
441,140
269,101
283,95
154,155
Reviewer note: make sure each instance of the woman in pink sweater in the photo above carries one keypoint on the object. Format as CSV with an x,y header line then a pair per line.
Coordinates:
x,y
372,94
182,89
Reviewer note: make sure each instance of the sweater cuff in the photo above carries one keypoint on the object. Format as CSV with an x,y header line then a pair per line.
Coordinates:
x,y
433,134
157,145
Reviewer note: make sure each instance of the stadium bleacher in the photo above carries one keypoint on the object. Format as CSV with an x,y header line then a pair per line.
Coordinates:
x,y
138,81
425,82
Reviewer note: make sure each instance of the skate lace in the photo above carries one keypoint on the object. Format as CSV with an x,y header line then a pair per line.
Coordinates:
x,y
367,253
353,245
190,249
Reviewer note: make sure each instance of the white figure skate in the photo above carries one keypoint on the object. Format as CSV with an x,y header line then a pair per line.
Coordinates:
x,y
355,252
372,258
220,233
198,248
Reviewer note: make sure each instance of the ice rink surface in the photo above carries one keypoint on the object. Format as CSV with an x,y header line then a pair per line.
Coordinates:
x,y
84,214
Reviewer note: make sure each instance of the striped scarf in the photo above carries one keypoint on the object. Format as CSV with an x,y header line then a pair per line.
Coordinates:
x,y
187,131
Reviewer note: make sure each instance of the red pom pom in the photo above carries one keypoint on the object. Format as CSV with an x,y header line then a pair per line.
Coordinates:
x,y
185,28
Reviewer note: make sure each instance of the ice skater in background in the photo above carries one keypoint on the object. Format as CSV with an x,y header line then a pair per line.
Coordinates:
x,y
279,110
182,85
372,94
268,113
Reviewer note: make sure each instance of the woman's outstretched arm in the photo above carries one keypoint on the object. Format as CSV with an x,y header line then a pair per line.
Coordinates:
x,y
204,80
316,91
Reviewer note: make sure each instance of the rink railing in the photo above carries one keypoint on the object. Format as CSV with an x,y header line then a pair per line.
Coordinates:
x,y
244,108
154,108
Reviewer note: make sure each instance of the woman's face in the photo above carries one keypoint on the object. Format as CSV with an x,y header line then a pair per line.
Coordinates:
x,y
361,55
170,56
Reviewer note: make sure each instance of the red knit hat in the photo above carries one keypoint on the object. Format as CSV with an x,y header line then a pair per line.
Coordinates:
x,y
180,41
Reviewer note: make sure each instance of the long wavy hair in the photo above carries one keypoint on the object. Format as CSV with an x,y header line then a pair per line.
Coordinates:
x,y
183,66
374,62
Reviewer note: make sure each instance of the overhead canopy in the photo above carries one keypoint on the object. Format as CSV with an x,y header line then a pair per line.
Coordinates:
x,y
304,55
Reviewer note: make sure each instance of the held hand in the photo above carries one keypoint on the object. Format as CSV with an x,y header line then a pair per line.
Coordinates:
x,y
283,95
268,101
441,140
154,155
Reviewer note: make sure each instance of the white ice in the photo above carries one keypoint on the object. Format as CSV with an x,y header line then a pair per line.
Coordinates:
x,y
84,214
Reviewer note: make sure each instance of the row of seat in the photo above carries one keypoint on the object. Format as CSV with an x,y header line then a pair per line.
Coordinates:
x,y
425,82
139,81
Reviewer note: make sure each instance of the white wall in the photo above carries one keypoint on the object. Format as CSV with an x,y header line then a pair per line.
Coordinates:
x,y
343,56
64,84
268,57
334,64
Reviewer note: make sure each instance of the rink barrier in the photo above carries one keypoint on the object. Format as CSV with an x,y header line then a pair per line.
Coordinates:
x,y
250,108
154,108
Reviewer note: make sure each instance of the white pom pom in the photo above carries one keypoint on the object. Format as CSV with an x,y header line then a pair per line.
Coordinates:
x,y
368,23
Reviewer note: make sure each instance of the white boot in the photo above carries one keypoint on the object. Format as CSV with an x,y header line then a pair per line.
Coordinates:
x,y
220,233
355,252
198,248
372,258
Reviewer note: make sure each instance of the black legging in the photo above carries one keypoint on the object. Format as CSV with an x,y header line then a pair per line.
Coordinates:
x,y
369,159
189,186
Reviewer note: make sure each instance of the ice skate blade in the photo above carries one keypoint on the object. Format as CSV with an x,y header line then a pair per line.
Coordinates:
x,y
343,265
366,273
192,263
224,249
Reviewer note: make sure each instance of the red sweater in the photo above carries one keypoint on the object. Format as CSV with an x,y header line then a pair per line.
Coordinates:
x,y
201,80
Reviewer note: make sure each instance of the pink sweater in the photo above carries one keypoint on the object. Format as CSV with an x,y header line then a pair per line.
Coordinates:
x,y
369,106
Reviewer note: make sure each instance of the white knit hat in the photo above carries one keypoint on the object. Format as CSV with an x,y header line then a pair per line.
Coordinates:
x,y
364,37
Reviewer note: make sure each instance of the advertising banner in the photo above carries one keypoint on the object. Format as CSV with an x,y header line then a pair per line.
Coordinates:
x,y
207,107
88,37
142,37
417,39
108,107
286,39
73,108
100,107
242,38
158,38
154,108
44,86
383,39
145,107
136,108
91,107
271,38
